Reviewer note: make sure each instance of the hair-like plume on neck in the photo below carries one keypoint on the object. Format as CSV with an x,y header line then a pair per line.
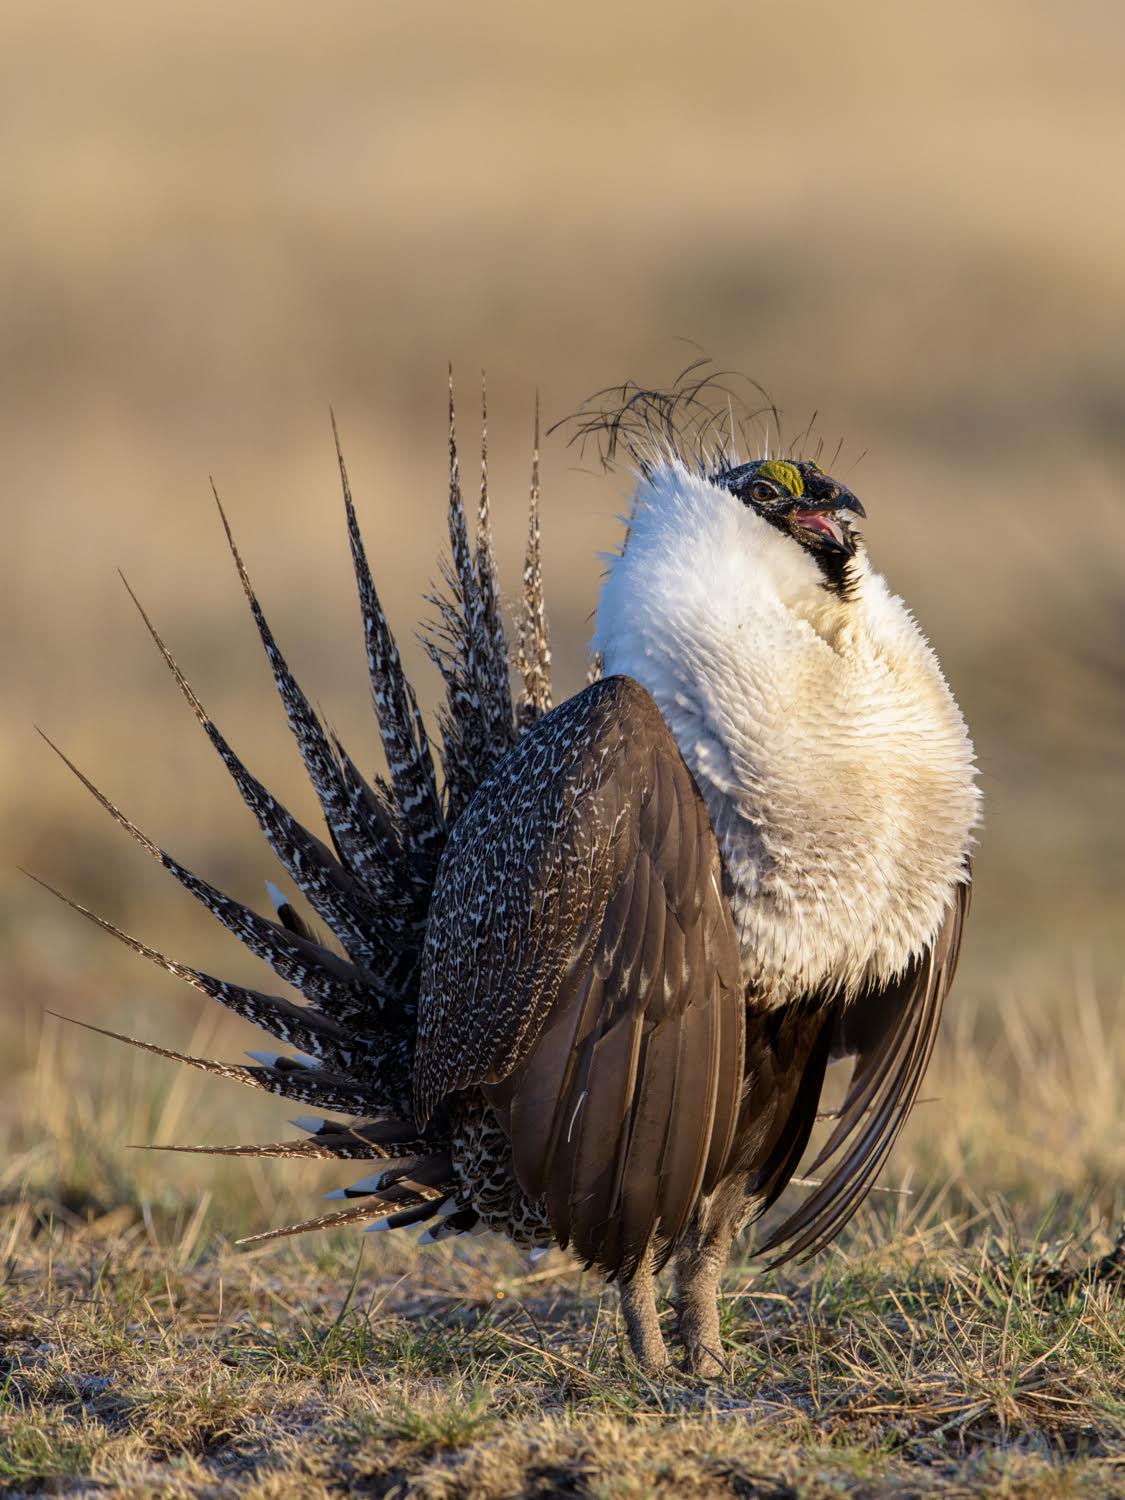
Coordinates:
x,y
702,420
707,419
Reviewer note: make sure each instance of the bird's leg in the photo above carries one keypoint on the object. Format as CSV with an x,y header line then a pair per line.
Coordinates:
x,y
699,1269
638,1304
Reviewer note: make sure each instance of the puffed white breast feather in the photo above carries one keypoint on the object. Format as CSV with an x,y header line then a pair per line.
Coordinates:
x,y
836,766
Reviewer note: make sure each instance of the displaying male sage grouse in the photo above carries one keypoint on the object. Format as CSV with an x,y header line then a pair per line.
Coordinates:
x,y
588,983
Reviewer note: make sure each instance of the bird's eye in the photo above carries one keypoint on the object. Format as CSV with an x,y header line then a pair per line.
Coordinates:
x,y
762,489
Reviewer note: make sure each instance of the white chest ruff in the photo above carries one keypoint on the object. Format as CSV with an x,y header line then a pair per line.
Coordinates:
x,y
834,762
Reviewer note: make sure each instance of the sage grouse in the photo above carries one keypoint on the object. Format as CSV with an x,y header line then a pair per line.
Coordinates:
x,y
586,985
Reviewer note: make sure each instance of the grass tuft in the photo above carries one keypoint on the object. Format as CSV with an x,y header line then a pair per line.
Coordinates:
x,y
957,1358
966,1338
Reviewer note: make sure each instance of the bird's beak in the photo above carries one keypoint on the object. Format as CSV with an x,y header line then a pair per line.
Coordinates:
x,y
848,501
823,522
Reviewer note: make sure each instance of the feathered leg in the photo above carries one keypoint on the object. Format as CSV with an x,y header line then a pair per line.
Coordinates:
x,y
700,1263
642,1323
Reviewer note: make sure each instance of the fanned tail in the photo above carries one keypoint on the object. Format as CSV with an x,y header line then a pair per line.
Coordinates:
x,y
334,893
301,1026
354,1038
341,988
289,1077
361,819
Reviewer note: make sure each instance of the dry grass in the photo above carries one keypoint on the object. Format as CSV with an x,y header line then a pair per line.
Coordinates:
x,y
959,1343
954,1360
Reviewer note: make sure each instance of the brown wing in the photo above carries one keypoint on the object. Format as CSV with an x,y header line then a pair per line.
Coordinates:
x,y
581,965
891,1033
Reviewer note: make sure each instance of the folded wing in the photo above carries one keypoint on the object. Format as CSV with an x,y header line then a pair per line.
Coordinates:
x,y
581,967
890,1031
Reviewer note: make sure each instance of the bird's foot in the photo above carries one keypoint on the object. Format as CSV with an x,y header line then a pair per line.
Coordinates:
x,y
642,1323
652,1357
704,1360
699,1337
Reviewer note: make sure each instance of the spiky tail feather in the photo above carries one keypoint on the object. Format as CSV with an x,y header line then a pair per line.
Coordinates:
x,y
533,649
371,888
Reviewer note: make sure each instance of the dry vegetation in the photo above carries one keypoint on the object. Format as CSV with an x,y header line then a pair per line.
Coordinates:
x,y
219,219
969,1339
912,1367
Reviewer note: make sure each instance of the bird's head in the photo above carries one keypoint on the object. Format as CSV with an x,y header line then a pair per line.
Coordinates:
x,y
803,502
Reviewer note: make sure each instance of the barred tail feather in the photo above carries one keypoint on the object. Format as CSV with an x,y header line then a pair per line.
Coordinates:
x,y
342,988
302,1085
467,644
409,1200
322,1221
405,906
405,743
452,642
368,844
533,650
310,1150
300,1026
358,1141
498,712
335,895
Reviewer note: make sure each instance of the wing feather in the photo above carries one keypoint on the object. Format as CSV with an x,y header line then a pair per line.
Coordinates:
x,y
891,1032
581,965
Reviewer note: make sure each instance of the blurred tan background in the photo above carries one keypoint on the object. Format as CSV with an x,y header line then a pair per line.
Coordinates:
x,y
218,219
